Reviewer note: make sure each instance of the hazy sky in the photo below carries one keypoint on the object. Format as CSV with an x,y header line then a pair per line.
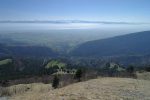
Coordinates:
x,y
101,10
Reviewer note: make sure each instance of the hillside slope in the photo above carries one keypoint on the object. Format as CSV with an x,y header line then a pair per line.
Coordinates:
x,y
130,44
26,51
96,89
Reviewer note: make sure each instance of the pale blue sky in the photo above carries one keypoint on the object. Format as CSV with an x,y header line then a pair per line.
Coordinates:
x,y
100,10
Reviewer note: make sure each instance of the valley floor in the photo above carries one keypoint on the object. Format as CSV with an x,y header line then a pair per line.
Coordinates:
x,y
95,89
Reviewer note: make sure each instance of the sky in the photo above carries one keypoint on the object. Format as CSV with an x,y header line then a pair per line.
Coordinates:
x,y
90,10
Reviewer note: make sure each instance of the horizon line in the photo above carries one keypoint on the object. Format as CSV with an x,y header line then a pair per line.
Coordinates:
x,y
72,22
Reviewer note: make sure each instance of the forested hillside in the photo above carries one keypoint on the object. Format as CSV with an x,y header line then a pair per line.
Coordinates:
x,y
125,45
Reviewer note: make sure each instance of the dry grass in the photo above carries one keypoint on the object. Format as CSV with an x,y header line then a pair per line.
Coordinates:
x,y
23,88
143,75
96,89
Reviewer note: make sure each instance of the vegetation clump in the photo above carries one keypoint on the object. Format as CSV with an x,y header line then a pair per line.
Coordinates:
x,y
78,74
5,61
55,82
55,63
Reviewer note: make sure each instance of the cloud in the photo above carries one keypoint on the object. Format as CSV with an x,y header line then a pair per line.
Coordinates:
x,y
74,22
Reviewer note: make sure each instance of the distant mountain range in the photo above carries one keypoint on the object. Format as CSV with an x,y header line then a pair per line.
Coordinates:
x,y
125,45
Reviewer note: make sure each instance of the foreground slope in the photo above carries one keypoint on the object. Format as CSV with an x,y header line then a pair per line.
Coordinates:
x,y
96,89
130,44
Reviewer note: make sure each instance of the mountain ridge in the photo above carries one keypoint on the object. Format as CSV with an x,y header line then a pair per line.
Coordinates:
x,y
130,44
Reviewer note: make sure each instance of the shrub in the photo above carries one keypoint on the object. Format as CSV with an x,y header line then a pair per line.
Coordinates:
x,y
147,69
78,74
130,69
55,82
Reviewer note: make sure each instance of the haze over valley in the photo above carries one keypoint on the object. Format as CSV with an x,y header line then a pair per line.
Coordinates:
x,y
62,36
